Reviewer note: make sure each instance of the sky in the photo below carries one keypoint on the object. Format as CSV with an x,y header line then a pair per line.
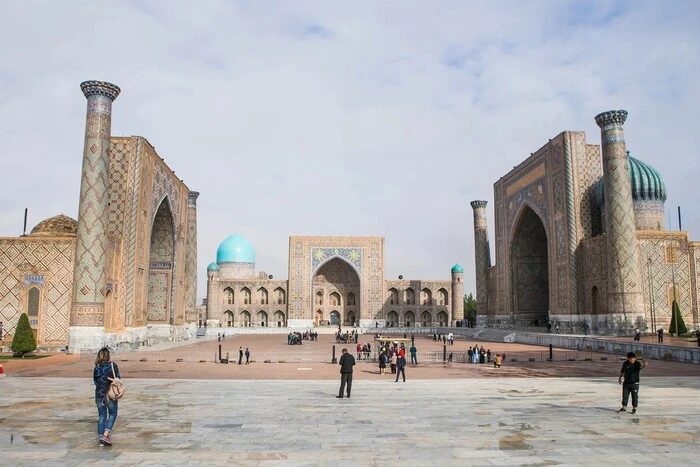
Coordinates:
x,y
344,118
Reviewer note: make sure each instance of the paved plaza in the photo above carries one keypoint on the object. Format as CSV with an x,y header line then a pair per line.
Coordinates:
x,y
505,421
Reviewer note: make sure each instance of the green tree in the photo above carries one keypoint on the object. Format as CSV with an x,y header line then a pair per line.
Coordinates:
x,y
23,340
470,309
677,326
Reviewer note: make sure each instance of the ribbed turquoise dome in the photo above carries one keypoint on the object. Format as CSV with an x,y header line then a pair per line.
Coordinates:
x,y
235,249
213,266
647,183
457,268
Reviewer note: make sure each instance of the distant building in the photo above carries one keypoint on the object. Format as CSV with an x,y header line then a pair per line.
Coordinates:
x,y
332,281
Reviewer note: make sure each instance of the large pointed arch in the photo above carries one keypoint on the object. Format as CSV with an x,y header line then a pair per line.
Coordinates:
x,y
160,306
337,278
529,267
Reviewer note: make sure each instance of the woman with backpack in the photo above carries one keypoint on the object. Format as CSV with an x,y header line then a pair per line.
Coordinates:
x,y
104,373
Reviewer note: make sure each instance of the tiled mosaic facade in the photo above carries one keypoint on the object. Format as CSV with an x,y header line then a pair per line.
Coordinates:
x,y
333,280
111,291
45,263
482,253
594,262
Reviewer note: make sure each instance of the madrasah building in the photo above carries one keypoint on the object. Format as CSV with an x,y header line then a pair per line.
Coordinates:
x,y
332,281
124,273
580,238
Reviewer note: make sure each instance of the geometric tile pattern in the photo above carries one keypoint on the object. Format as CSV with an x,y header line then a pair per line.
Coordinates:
x,y
118,182
51,258
93,211
624,281
661,275
158,296
191,255
482,253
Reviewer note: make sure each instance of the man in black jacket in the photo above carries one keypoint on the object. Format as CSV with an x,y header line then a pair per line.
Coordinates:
x,y
346,362
630,375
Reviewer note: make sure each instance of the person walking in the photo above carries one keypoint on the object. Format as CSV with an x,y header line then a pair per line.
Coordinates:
x,y
637,335
401,368
382,363
103,374
240,355
629,379
414,359
392,361
660,333
247,355
346,363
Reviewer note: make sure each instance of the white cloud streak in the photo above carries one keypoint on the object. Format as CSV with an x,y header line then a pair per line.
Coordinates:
x,y
321,118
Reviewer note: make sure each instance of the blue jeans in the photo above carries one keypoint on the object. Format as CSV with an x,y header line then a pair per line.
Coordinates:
x,y
106,414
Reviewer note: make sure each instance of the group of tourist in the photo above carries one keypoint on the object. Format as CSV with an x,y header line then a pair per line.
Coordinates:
x,y
294,338
364,350
478,354
347,336
448,339
395,356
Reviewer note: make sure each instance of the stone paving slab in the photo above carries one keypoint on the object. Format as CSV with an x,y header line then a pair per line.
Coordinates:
x,y
506,421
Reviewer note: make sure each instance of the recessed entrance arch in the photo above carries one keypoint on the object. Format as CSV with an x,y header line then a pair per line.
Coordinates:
x,y
335,318
529,269
350,318
337,279
160,308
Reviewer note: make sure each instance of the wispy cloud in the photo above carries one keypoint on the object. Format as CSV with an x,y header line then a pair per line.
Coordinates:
x,y
325,118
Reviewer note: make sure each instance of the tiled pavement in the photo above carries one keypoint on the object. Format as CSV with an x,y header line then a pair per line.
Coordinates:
x,y
51,421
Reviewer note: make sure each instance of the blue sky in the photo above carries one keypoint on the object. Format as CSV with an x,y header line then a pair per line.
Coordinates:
x,y
354,118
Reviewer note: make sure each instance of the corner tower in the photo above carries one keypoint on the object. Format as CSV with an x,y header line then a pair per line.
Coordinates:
x,y
88,301
482,253
624,301
457,308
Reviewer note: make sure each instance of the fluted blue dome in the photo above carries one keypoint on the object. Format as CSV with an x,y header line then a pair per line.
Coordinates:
x,y
213,267
235,249
647,183
457,268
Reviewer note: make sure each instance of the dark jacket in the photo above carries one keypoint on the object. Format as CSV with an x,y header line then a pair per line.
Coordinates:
x,y
401,363
101,375
631,371
346,362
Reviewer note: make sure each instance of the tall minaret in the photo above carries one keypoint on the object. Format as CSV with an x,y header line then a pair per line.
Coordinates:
x,y
87,307
625,300
482,254
191,256
213,295
457,309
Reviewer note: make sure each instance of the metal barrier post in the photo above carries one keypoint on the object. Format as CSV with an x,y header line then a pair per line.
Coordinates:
x,y
334,360
444,353
551,356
